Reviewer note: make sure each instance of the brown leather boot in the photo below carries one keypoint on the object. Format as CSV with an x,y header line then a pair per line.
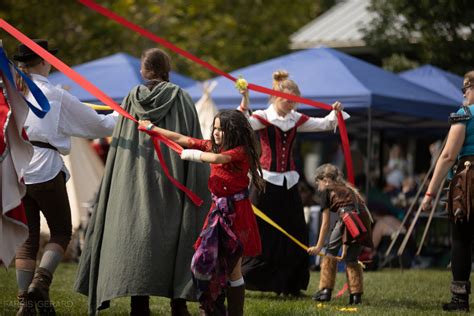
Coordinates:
x,y
39,292
179,308
355,281
27,305
327,279
460,299
235,300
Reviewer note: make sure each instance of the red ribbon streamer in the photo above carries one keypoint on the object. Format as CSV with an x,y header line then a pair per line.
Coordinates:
x,y
343,290
177,148
58,64
342,127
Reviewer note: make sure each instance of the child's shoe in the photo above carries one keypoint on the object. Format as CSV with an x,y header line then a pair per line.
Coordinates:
x,y
323,295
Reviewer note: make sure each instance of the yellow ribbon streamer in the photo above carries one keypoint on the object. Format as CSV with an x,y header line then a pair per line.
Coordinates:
x,y
340,309
98,107
296,241
271,222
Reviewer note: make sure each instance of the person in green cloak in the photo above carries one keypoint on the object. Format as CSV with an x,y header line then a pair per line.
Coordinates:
x,y
140,238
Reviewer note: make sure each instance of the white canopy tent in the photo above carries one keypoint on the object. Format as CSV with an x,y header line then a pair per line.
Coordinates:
x,y
206,109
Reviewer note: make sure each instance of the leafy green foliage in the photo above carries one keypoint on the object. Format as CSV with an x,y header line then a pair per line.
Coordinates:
x,y
438,32
227,34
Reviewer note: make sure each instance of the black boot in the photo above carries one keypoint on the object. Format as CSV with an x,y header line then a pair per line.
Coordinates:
x,y
355,282
140,306
179,307
26,305
208,307
355,298
327,279
460,299
323,295
219,305
235,300
39,292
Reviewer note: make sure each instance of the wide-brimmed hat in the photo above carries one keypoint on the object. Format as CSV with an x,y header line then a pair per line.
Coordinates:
x,y
26,54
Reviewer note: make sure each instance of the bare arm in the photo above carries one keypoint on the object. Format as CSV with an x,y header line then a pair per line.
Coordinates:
x,y
244,107
446,160
176,137
245,103
322,233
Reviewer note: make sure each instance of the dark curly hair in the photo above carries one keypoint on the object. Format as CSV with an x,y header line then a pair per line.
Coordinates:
x,y
238,132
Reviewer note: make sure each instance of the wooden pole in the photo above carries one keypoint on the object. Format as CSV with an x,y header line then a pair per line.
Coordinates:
x,y
408,213
430,218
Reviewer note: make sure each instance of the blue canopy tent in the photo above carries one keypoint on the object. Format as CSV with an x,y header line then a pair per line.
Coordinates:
x,y
115,75
380,98
375,98
437,80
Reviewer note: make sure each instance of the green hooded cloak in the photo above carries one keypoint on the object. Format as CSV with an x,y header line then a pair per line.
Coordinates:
x,y
140,237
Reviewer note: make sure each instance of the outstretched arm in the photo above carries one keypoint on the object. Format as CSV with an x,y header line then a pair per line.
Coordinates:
x,y
322,234
202,156
215,158
176,137
329,122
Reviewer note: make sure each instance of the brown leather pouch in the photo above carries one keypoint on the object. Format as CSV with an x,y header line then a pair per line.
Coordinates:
x,y
460,192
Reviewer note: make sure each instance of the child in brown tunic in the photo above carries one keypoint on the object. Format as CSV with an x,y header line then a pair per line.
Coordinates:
x,y
352,230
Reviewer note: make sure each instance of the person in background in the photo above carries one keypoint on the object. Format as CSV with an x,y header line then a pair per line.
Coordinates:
x,y
46,178
459,150
396,169
385,226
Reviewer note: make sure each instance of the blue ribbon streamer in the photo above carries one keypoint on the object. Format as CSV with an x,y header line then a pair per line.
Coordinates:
x,y
35,91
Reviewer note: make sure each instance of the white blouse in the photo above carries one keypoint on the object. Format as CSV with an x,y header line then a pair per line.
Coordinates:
x,y
67,117
285,123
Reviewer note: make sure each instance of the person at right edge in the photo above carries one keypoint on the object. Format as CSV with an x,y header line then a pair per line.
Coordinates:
x,y
459,151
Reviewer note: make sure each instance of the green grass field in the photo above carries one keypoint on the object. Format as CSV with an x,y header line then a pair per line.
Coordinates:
x,y
388,292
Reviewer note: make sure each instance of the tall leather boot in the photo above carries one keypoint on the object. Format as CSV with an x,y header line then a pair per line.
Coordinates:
x,y
140,306
327,279
235,300
26,305
39,292
179,307
207,307
355,281
460,299
219,305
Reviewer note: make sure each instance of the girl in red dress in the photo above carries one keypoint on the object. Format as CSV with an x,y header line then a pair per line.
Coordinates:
x,y
230,230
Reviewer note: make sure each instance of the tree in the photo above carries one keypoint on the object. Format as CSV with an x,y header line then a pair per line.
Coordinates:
x,y
227,34
439,32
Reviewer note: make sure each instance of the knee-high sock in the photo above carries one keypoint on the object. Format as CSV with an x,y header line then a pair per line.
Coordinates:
x,y
51,260
23,279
